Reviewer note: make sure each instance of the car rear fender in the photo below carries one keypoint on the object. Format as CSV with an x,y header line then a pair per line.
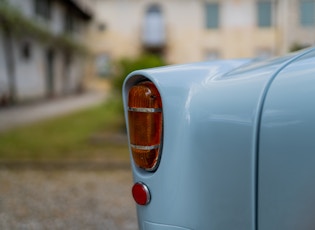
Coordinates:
x,y
208,170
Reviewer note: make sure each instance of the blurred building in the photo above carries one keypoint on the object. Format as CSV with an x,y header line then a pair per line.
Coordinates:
x,y
195,30
41,48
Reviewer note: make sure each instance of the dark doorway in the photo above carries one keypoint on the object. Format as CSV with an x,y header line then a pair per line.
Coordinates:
x,y
50,57
66,73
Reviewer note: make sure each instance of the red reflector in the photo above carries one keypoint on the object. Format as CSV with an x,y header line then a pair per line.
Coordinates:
x,y
141,194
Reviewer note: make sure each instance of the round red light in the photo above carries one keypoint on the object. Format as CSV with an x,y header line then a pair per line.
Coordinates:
x,y
141,193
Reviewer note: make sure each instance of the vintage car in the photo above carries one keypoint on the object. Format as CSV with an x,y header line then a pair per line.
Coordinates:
x,y
225,144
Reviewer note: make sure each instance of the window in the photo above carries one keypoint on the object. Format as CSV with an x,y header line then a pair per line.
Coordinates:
x,y
264,13
307,12
42,8
101,27
211,55
69,24
102,64
212,15
263,53
154,29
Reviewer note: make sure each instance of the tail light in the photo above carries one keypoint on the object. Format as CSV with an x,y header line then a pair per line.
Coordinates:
x,y
145,124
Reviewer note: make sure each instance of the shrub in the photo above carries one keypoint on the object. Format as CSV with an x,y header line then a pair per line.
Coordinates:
x,y
297,46
127,65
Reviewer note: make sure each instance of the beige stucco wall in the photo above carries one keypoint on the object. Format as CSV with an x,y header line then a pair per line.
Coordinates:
x,y
187,39
121,36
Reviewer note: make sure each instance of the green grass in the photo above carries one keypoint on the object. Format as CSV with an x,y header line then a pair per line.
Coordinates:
x,y
81,135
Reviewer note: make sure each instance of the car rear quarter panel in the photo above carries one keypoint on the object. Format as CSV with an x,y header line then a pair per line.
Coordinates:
x,y
287,150
208,170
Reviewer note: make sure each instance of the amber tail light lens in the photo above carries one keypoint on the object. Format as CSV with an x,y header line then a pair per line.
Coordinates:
x,y
145,124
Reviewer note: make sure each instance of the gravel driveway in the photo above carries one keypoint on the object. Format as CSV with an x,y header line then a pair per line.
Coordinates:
x,y
66,199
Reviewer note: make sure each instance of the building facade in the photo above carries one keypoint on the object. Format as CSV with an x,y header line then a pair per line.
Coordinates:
x,y
195,30
41,48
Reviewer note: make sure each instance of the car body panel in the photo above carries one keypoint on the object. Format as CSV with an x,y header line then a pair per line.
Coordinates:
x,y
207,177
287,150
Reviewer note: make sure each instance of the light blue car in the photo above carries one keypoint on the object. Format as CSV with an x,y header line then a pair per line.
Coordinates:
x,y
224,145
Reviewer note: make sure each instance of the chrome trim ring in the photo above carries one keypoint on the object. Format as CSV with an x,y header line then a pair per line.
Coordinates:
x,y
141,147
145,110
